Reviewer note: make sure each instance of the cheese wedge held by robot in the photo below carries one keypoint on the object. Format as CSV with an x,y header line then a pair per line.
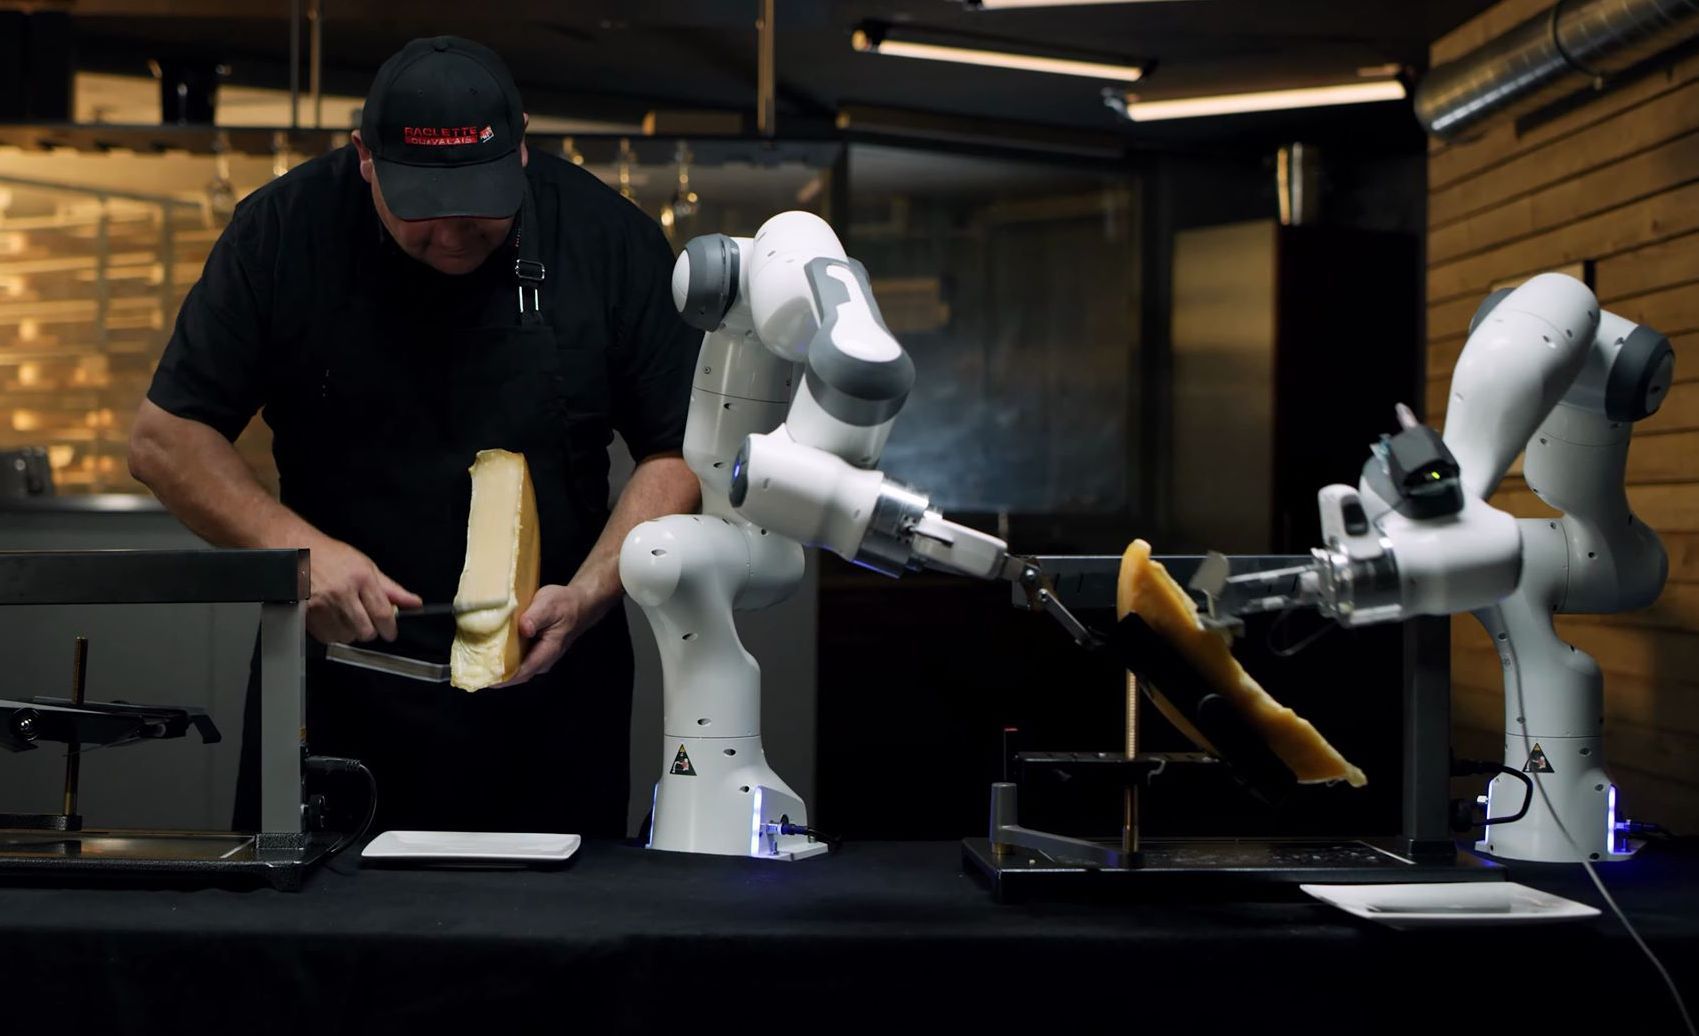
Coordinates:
x,y
502,549
1146,588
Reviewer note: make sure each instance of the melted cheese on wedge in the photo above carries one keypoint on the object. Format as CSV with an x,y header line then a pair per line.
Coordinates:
x,y
1145,587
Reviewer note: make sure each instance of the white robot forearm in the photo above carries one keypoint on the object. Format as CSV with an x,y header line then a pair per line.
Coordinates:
x,y
822,500
812,479
1406,541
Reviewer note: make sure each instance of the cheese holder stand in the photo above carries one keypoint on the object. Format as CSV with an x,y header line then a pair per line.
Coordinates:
x,y
55,846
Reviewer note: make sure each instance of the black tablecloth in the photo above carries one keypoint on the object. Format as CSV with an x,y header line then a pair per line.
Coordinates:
x,y
891,936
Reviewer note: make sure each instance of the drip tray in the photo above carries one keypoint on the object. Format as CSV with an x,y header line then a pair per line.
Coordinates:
x,y
1236,867
157,857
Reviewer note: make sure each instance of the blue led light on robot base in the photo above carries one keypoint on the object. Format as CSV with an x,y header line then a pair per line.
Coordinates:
x,y
755,824
1616,835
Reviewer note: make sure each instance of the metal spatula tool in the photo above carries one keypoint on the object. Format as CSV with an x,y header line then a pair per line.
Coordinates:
x,y
383,662
400,665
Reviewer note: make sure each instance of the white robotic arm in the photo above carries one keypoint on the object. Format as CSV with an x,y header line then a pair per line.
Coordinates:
x,y
782,465
1596,558
812,478
1544,371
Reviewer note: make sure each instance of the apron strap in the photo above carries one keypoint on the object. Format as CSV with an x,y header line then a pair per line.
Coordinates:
x,y
528,268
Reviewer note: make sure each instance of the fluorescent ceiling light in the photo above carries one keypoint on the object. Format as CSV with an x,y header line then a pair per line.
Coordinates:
x,y
1265,100
876,42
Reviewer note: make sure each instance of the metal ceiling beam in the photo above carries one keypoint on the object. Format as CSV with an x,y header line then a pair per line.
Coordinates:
x,y
700,13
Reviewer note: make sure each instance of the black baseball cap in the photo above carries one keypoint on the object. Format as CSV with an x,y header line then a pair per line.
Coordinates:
x,y
444,123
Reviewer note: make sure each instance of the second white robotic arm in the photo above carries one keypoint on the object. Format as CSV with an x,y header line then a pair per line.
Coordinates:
x,y
1416,535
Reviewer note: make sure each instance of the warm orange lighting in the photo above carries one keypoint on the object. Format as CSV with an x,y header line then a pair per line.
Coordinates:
x,y
1264,100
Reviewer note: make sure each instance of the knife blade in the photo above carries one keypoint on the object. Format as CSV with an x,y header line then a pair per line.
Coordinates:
x,y
436,610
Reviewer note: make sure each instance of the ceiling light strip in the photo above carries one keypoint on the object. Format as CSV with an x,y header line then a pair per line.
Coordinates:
x,y
1263,101
901,48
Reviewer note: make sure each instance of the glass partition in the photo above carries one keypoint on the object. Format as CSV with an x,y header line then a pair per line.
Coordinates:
x,y
1014,286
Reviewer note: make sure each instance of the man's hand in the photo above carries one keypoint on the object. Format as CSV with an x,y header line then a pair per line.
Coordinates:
x,y
351,599
558,616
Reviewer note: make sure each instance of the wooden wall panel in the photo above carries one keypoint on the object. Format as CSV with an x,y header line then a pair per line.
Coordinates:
x,y
1501,217
1567,158
1644,269
1623,229
1614,183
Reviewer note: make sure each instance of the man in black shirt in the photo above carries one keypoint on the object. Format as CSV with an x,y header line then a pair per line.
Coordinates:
x,y
391,308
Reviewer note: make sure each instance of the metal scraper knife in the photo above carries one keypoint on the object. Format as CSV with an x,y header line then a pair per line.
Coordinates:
x,y
434,610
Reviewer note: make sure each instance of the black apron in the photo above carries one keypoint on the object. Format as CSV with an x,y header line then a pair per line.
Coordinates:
x,y
374,435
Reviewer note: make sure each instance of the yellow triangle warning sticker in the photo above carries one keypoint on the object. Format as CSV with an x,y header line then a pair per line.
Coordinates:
x,y
1537,761
681,764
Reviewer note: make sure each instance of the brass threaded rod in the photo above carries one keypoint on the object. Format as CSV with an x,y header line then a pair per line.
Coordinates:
x,y
1132,739
1130,796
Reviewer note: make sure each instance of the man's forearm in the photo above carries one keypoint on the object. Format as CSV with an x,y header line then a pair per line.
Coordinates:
x,y
201,479
662,484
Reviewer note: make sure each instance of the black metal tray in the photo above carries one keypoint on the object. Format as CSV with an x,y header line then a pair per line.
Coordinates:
x,y
175,858
1253,868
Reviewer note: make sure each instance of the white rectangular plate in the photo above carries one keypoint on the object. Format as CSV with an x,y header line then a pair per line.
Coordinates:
x,y
1434,904
471,847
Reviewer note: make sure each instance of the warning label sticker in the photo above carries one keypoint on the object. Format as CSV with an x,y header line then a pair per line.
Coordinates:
x,y
1537,761
682,767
